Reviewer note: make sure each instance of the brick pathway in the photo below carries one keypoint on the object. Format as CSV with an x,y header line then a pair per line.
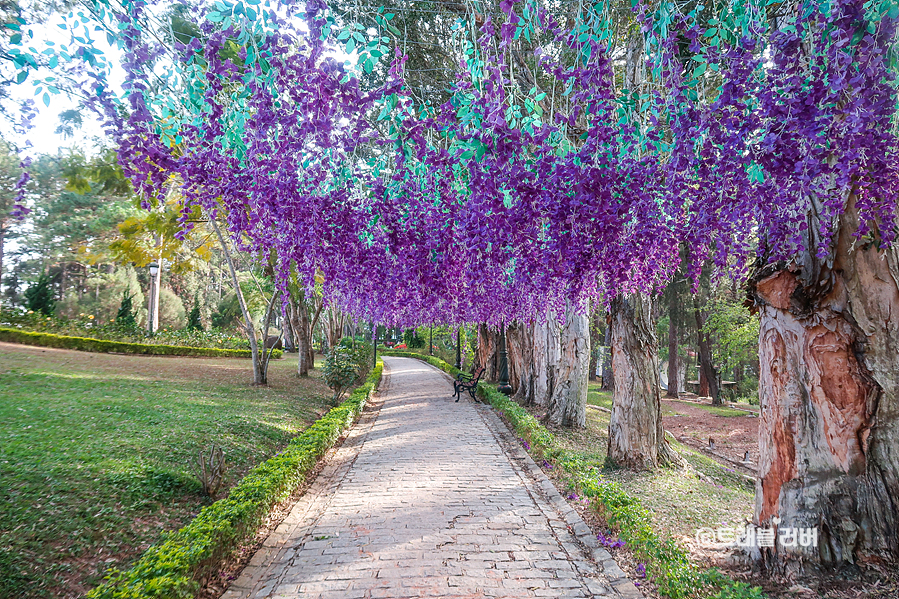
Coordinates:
x,y
430,498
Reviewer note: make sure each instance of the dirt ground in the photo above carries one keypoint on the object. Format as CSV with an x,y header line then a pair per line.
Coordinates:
x,y
732,436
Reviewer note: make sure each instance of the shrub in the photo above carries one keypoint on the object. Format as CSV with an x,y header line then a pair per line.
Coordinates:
x,y
103,346
340,370
173,568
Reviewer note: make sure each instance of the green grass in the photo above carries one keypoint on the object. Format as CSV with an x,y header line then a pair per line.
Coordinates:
x,y
720,410
679,504
95,452
597,397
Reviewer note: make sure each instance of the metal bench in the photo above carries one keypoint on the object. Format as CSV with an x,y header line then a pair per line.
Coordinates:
x,y
467,382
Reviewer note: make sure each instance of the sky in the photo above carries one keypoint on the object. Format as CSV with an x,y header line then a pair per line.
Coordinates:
x,y
43,136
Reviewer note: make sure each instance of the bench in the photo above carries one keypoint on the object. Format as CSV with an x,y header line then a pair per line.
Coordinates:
x,y
467,382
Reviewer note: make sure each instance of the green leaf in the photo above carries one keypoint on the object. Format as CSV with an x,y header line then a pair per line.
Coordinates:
x,y
46,99
16,38
22,76
711,31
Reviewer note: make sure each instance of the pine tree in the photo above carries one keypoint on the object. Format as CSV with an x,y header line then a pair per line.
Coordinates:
x,y
125,316
193,319
39,297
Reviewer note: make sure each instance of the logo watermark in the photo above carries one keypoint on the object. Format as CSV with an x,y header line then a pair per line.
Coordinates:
x,y
756,536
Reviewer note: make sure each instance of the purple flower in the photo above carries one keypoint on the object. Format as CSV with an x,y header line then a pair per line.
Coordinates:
x,y
641,570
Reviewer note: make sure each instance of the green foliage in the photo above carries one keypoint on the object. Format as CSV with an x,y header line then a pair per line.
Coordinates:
x,y
412,340
735,331
173,568
39,297
228,312
193,319
125,317
103,346
341,370
360,354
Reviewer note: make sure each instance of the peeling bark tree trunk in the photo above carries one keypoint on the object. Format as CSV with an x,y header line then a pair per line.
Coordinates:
x,y
636,438
829,395
547,354
520,346
486,355
568,402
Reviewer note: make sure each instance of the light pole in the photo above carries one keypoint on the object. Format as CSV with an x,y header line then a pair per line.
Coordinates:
x,y
504,386
374,346
153,312
459,347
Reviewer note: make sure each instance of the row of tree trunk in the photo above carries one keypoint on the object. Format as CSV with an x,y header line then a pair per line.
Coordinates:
x,y
828,390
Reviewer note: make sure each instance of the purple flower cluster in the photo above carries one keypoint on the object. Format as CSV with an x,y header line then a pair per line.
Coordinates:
x,y
499,205
610,541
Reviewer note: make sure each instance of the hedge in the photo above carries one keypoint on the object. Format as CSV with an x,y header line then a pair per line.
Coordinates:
x,y
666,562
103,346
173,568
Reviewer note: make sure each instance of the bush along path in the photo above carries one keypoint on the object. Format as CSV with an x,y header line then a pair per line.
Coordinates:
x,y
174,568
663,561
429,498
120,347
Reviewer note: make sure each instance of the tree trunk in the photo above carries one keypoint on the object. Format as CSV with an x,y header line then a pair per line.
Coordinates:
x,y
636,438
487,353
258,366
299,316
608,379
520,349
673,304
547,354
2,239
829,395
708,374
568,402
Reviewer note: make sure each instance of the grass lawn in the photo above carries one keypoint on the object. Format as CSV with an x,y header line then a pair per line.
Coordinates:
x,y
95,452
679,503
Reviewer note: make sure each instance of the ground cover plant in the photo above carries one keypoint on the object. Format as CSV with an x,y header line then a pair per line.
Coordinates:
x,y
96,449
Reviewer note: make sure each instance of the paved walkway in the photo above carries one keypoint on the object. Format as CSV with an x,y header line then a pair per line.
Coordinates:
x,y
430,498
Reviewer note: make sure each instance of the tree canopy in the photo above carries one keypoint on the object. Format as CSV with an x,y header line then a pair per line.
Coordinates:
x,y
754,127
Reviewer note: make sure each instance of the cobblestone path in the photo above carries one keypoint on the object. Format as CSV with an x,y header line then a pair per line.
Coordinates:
x,y
430,498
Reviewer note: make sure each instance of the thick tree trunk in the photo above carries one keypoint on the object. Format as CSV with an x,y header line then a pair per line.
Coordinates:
x,y
708,374
829,395
636,438
486,356
568,402
520,347
673,309
547,354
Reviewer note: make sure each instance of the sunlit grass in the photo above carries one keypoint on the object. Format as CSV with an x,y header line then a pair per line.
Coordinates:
x,y
95,453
